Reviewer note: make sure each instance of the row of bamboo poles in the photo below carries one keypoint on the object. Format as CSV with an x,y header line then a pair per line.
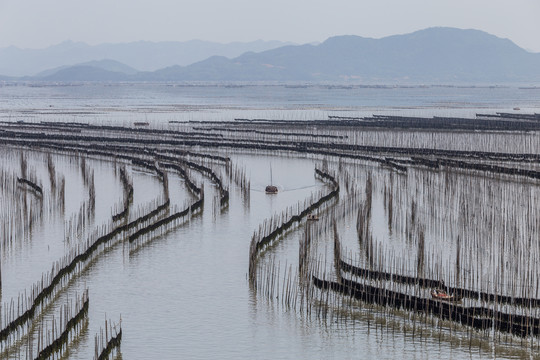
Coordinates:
x,y
271,230
53,339
420,179
27,306
509,304
108,340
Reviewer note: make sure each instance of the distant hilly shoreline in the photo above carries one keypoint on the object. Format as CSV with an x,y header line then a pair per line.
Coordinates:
x,y
140,55
434,56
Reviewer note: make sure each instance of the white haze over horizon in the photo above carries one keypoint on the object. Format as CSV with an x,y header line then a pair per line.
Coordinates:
x,y
39,24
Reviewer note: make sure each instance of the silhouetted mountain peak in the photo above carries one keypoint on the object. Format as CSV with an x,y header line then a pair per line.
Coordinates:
x,y
434,55
142,55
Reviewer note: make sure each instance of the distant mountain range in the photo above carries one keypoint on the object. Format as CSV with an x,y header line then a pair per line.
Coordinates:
x,y
435,55
141,55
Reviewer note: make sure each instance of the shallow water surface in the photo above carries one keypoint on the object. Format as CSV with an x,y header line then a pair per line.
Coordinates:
x,y
185,294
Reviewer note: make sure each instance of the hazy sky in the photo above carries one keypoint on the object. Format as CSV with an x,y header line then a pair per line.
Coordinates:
x,y
40,23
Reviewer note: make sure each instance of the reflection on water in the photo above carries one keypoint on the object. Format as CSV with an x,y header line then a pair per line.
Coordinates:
x,y
161,103
186,294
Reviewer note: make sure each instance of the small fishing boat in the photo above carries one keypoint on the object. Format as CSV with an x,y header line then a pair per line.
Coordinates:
x,y
440,294
271,189
312,217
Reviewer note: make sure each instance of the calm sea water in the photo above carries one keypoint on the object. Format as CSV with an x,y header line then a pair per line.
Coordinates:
x,y
185,295
160,103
